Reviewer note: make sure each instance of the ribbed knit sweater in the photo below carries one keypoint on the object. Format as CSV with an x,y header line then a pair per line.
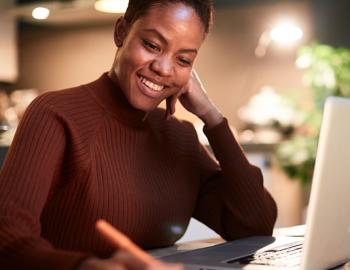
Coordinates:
x,y
84,153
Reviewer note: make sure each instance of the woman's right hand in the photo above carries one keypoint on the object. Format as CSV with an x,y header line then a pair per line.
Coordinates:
x,y
123,260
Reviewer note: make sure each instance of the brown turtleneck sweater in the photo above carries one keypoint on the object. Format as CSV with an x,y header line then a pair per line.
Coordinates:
x,y
84,153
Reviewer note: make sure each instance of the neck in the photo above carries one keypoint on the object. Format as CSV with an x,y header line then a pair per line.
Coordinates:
x,y
113,99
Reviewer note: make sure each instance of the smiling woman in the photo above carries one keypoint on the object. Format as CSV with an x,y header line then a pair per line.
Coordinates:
x,y
104,150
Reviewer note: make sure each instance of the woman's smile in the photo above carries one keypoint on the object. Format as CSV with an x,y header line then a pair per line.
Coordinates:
x,y
151,88
151,85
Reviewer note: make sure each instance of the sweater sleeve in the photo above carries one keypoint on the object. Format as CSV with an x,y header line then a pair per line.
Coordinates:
x,y
232,199
26,178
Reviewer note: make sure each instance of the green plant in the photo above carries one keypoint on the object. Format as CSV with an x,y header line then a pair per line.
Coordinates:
x,y
327,74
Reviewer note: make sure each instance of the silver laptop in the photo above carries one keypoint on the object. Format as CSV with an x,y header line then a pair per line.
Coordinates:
x,y
327,240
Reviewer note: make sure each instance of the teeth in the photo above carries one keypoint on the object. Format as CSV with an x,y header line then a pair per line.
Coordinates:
x,y
153,86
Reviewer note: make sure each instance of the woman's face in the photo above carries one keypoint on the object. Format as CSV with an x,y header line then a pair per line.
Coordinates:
x,y
156,53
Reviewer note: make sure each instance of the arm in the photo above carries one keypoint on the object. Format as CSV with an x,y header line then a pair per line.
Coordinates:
x,y
232,200
27,176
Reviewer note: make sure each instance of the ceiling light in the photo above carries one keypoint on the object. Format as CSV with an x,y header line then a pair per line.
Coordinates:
x,y
40,13
111,6
286,33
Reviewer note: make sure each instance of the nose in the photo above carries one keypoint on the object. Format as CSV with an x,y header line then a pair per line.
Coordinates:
x,y
162,66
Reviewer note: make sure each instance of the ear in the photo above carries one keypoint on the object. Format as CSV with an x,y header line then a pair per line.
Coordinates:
x,y
120,31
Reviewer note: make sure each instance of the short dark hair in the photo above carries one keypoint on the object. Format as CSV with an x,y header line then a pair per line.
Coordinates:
x,y
139,8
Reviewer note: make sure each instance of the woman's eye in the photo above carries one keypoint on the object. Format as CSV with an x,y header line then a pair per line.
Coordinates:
x,y
185,61
150,45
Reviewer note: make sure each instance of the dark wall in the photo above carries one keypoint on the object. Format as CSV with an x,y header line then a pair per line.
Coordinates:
x,y
332,22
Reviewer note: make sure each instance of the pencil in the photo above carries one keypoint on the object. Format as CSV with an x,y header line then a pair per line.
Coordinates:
x,y
121,241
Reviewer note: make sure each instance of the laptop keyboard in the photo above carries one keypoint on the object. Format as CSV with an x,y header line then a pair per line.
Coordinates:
x,y
283,256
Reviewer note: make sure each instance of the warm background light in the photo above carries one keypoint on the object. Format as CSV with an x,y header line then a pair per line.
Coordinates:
x,y
111,6
286,33
303,61
40,13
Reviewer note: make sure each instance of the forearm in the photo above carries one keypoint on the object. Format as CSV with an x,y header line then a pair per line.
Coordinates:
x,y
249,208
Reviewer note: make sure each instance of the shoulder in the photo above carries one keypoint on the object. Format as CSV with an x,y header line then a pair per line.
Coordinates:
x,y
73,109
65,99
68,103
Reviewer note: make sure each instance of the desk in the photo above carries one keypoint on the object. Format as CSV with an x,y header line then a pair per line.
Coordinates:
x,y
187,246
182,247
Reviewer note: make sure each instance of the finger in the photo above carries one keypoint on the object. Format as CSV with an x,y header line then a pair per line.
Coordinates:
x,y
195,74
129,260
167,112
113,266
177,267
183,92
165,266
105,264
119,240
109,266
173,104
196,78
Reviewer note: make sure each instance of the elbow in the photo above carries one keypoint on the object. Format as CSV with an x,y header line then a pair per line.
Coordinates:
x,y
267,217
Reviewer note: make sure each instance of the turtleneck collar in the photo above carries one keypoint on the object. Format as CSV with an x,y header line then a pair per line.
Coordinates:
x,y
111,97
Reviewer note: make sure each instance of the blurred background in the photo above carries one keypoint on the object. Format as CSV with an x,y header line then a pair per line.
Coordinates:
x,y
267,64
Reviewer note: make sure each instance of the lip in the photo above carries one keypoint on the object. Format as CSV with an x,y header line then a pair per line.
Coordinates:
x,y
153,80
148,91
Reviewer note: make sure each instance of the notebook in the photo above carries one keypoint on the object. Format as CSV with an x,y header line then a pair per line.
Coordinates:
x,y
327,238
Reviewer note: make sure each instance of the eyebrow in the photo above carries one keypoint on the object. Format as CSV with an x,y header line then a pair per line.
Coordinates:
x,y
163,40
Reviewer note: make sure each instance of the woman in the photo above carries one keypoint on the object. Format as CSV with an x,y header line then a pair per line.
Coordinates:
x,y
104,150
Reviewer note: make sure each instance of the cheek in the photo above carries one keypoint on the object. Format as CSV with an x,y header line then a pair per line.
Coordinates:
x,y
137,58
183,77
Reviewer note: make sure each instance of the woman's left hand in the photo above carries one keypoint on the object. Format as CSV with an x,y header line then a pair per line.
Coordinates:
x,y
195,99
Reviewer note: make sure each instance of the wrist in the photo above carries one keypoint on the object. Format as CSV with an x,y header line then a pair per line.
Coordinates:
x,y
212,118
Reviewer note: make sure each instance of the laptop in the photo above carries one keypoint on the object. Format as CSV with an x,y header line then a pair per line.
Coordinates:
x,y
326,243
